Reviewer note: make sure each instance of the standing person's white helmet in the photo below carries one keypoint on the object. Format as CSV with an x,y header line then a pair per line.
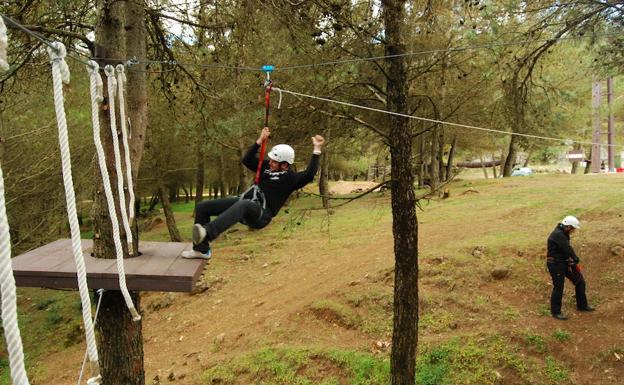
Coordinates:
x,y
282,153
571,221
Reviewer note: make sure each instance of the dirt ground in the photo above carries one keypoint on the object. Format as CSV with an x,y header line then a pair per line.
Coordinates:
x,y
263,299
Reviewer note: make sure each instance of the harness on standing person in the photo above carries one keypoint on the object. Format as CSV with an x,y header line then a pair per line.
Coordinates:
x,y
254,193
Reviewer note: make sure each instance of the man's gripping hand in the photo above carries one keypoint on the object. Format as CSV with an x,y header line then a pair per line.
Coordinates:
x,y
264,135
318,142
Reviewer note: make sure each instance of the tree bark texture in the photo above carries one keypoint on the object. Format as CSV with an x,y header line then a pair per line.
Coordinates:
x,y
485,174
242,172
511,157
117,329
404,221
324,174
451,156
199,173
421,159
174,234
118,35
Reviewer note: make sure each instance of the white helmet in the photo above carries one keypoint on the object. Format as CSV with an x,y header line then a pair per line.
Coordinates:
x,y
282,153
571,221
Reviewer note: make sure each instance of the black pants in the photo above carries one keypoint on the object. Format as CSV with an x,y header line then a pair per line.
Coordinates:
x,y
229,211
559,271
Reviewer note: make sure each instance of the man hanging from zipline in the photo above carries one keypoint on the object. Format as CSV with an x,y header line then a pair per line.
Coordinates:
x,y
275,181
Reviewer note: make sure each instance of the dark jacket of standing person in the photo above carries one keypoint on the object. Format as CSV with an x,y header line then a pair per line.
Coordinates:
x,y
559,248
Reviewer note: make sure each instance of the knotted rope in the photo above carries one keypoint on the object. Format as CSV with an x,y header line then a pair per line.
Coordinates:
x,y
121,80
95,86
60,75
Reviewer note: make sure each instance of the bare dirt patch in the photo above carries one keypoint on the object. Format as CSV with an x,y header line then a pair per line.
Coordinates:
x,y
346,187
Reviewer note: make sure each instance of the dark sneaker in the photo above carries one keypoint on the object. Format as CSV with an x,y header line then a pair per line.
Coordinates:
x,y
560,316
199,233
587,308
194,254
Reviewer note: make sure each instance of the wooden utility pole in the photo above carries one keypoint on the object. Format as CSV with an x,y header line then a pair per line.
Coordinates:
x,y
611,137
595,151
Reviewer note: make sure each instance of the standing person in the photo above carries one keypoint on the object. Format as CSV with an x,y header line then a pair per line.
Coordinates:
x,y
563,262
277,182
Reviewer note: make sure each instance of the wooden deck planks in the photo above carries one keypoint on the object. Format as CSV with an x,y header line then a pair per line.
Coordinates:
x,y
159,268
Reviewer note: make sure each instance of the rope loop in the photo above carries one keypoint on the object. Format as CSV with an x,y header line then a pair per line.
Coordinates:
x,y
58,52
120,69
94,70
109,71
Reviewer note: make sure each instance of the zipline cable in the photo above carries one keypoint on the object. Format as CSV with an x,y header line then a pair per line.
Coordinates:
x,y
440,121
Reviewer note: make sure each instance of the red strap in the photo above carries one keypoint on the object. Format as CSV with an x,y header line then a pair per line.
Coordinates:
x,y
267,103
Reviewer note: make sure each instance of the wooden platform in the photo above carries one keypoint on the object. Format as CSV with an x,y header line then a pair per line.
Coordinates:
x,y
159,268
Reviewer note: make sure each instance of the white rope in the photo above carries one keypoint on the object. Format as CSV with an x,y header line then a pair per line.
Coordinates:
x,y
567,141
8,295
9,299
96,380
4,43
112,89
121,80
95,81
60,75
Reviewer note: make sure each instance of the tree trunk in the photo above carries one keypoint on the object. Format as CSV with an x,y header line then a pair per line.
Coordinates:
x,y
575,164
451,156
511,157
136,90
421,159
404,221
221,174
174,234
153,201
588,163
494,169
323,176
440,151
485,174
120,32
117,330
434,165
242,176
199,173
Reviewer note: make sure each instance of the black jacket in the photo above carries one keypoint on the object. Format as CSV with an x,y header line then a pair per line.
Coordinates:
x,y
277,186
559,249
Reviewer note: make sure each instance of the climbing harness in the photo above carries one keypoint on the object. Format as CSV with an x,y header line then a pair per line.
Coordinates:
x,y
254,193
